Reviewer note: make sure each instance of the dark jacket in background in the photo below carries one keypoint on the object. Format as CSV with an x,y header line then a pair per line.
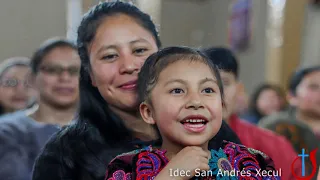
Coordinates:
x,y
297,132
21,140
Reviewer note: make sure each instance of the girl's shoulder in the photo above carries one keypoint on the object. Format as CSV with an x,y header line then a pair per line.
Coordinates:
x,y
233,149
243,160
137,164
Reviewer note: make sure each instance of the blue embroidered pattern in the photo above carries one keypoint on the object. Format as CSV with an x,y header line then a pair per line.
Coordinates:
x,y
220,165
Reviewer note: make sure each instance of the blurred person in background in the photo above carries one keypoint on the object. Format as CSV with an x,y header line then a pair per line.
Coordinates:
x,y
15,91
300,124
266,100
55,75
277,147
242,101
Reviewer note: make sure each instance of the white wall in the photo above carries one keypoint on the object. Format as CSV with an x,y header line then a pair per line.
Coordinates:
x,y
25,24
204,23
311,38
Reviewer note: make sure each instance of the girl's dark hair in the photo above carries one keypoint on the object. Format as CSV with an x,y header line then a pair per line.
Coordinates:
x,y
9,63
253,107
158,61
93,107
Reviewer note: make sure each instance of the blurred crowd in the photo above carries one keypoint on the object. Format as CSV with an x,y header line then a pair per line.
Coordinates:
x,y
42,95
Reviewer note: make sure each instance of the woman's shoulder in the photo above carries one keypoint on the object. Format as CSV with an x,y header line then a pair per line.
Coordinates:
x,y
62,142
142,153
69,147
74,133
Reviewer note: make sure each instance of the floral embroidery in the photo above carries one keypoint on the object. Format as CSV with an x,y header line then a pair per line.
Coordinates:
x,y
150,163
255,152
220,165
242,158
120,175
145,164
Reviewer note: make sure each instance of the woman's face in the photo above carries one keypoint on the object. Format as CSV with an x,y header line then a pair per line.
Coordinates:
x,y
269,102
58,78
118,51
14,90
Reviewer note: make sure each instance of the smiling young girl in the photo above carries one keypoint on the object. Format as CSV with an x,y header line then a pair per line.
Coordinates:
x,y
181,93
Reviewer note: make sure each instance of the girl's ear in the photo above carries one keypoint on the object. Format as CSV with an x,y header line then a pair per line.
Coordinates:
x,y
146,113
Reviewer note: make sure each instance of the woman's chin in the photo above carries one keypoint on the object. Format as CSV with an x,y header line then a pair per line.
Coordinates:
x,y
129,105
130,102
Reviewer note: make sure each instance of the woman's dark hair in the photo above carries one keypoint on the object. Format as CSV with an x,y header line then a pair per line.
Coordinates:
x,y
253,107
9,63
93,107
158,61
46,48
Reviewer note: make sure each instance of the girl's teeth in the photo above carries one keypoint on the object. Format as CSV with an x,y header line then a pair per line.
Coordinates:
x,y
195,120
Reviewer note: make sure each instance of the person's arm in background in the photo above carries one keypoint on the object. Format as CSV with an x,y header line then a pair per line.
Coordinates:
x,y
53,162
14,163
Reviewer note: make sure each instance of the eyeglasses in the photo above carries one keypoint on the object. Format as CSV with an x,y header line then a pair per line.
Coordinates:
x,y
58,70
13,83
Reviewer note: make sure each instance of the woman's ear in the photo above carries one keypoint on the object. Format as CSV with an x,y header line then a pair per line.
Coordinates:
x,y
146,113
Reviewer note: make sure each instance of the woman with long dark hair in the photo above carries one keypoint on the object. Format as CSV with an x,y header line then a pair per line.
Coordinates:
x,y
15,92
114,40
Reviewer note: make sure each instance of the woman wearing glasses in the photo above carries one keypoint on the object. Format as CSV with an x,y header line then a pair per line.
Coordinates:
x,y
15,93
55,75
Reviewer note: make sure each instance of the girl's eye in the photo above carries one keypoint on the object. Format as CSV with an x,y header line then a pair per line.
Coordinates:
x,y
208,90
176,91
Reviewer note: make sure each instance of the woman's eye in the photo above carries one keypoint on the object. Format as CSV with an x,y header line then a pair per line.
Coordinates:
x,y
208,90
109,57
176,91
140,50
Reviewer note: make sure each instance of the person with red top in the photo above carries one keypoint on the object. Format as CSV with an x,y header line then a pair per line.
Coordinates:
x,y
277,147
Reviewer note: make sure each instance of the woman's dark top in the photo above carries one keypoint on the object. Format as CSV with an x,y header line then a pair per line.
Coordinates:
x,y
80,152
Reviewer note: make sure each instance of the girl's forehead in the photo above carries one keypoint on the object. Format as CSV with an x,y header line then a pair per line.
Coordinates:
x,y
186,69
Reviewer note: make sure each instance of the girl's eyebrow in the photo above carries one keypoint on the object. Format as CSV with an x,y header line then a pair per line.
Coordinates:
x,y
175,80
184,82
208,80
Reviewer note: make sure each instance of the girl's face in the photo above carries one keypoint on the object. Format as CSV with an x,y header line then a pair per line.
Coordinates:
x,y
185,104
269,102
116,54
14,89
